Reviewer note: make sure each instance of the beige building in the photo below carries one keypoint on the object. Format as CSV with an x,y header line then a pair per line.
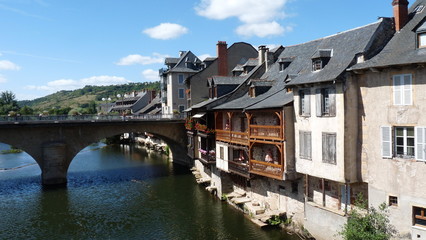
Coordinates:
x,y
326,122
392,107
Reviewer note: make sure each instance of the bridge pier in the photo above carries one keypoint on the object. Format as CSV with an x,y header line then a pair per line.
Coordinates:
x,y
54,164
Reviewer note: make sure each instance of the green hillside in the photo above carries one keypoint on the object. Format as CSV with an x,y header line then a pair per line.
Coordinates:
x,y
82,98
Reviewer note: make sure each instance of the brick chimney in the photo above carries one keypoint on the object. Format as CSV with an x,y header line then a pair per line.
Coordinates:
x,y
222,58
400,13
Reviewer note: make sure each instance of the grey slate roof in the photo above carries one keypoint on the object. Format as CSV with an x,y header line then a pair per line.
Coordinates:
x,y
226,80
402,48
345,46
251,62
171,60
275,100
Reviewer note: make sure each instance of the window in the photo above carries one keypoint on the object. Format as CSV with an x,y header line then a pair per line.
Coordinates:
x,y
221,153
284,65
304,105
181,93
408,142
402,89
325,101
180,78
329,148
419,216
393,201
181,108
421,38
305,145
316,65
404,142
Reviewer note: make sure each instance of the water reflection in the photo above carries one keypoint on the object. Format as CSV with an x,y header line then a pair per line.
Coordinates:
x,y
118,192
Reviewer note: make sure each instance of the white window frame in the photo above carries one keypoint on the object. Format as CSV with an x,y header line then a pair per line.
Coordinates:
x,y
421,38
388,150
402,89
183,93
404,145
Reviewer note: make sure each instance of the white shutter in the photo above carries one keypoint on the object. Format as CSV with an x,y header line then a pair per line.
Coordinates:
x,y
397,90
407,89
386,141
420,139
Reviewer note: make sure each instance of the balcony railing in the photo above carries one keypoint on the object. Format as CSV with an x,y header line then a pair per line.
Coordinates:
x,y
267,169
266,132
232,137
207,156
239,168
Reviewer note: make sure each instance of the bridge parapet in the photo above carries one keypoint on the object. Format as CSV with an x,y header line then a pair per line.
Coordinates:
x,y
88,118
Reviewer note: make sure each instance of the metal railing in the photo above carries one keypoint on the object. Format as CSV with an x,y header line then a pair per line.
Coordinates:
x,y
89,118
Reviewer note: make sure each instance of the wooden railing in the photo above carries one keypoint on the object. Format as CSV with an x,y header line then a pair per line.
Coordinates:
x,y
266,132
239,168
267,169
208,158
232,137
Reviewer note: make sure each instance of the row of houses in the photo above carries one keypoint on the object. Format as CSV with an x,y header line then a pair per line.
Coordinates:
x,y
305,129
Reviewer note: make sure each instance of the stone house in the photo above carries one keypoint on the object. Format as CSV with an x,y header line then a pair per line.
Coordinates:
x,y
222,66
326,121
393,122
172,80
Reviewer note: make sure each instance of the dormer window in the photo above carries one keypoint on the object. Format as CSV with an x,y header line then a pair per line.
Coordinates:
x,y
316,64
284,63
421,38
421,35
321,58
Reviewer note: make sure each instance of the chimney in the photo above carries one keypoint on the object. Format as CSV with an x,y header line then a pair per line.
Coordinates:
x,y
400,13
222,58
262,51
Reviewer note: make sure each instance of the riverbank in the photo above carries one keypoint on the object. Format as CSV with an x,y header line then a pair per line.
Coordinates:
x,y
259,213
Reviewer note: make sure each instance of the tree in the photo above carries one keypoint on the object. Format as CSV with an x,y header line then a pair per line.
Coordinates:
x,y
8,103
25,110
371,223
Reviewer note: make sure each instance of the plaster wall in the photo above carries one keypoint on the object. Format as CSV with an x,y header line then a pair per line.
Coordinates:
x,y
402,178
317,126
222,163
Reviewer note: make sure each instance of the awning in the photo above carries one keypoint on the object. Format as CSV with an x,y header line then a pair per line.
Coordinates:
x,y
198,115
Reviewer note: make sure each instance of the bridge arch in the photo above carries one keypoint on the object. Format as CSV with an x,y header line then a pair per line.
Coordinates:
x,y
54,145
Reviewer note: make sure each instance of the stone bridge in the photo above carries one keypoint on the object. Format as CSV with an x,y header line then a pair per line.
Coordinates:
x,y
54,142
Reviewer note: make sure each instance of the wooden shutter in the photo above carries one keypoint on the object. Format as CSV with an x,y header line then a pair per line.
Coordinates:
x,y
407,89
397,90
420,139
307,102
386,137
318,101
308,144
332,101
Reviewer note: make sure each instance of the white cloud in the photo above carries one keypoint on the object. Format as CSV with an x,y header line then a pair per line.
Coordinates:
x,y
8,65
2,79
151,75
204,56
262,29
256,16
166,31
70,84
143,60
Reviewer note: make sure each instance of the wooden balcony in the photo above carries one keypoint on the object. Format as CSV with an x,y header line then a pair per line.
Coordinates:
x,y
266,132
207,158
232,137
267,169
239,168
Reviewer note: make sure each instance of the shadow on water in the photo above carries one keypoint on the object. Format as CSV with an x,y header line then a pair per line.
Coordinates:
x,y
111,195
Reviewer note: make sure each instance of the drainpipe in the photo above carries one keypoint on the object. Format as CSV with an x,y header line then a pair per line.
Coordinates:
x,y
346,197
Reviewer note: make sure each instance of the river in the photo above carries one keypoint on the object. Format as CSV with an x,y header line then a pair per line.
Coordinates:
x,y
116,192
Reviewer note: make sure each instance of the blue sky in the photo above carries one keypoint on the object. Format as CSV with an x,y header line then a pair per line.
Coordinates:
x,y
52,45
